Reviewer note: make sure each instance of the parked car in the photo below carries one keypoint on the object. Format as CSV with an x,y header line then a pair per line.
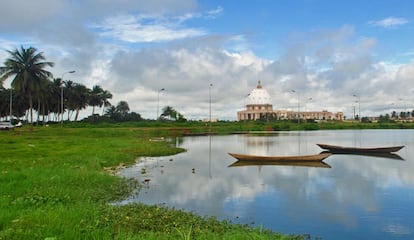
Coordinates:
x,y
6,126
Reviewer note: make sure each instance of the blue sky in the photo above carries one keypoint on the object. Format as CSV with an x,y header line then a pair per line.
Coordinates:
x,y
325,50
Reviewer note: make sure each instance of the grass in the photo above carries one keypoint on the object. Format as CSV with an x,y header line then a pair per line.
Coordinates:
x,y
54,186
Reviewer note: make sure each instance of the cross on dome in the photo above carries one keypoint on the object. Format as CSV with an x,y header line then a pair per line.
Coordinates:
x,y
259,96
259,84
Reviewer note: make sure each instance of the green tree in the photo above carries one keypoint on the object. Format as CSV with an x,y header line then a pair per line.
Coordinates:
x,y
28,68
99,98
80,96
122,108
55,101
171,113
106,95
69,97
95,97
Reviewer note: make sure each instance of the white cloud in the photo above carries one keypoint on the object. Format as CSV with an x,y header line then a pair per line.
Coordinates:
x,y
389,22
153,28
134,48
135,29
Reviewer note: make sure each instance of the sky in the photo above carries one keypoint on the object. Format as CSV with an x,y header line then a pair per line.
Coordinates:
x,y
336,55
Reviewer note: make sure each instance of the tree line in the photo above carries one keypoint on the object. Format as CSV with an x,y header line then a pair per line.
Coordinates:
x,y
33,88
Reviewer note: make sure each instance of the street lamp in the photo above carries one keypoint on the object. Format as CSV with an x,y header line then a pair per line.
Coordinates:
x,y
209,94
294,91
61,95
11,104
359,106
158,102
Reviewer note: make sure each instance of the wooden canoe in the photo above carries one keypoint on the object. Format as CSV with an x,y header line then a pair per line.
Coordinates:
x,y
303,158
341,149
316,164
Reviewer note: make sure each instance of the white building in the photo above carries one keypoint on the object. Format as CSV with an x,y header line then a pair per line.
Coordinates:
x,y
259,106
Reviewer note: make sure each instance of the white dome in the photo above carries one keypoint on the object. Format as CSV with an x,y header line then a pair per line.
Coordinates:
x,y
258,96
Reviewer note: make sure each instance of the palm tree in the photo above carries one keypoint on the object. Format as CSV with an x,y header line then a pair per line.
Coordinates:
x,y
43,96
171,113
95,97
27,67
81,98
122,108
70,99
105,103
57,84
111,113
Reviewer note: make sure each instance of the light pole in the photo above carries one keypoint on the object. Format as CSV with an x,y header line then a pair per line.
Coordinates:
x,y
294,91
158,102
11,104
61,96
245,114
359,106
209,94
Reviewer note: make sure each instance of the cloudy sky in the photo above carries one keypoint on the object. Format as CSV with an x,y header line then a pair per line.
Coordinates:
x,y
327,51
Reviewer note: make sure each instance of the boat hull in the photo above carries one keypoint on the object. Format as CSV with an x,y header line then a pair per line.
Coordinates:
x,y
314,157
244,163
340,149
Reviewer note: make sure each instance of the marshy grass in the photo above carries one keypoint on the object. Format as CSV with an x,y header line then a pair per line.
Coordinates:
x,y
54,186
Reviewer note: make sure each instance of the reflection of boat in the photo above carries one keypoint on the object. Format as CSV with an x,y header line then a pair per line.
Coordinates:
x,y
373,154
303,158
340,149
241,163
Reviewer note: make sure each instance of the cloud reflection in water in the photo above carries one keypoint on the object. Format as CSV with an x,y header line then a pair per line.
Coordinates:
x,y
350,199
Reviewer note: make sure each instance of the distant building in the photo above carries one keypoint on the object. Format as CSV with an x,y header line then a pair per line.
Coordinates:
x,y
259,106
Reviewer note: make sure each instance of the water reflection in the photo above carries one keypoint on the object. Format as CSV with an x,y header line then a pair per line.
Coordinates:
x,y
358,197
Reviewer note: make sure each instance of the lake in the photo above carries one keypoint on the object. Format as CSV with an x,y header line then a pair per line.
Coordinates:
x,y
352,197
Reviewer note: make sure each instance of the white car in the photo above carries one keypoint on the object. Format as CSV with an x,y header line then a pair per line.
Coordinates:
x,y
6,126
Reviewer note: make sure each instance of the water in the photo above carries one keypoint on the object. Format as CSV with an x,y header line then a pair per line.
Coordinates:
x,y
358,197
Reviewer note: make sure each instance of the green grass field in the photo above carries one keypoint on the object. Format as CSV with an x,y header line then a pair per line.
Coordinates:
x,y
55,185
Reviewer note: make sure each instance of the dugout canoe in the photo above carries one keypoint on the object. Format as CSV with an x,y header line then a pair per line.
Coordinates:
x,y
341,149
303,158
315,164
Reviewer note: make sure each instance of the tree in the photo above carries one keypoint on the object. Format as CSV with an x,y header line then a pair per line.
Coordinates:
x,y
105,103
95,97
122,108
28,68
394,114
171,113
168,112
80,96
99,98
69,97
55,103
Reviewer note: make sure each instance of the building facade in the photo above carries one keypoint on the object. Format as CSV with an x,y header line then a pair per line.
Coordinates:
x,y
259,106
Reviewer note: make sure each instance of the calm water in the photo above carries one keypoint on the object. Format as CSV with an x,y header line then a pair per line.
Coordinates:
x,y
358,197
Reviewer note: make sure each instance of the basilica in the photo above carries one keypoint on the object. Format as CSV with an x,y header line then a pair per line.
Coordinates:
x,y
259,106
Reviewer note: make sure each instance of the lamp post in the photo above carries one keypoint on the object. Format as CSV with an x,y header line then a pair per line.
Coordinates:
x,y
359,106
245,114
61,96
11,104
209,94
158,102
294,91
